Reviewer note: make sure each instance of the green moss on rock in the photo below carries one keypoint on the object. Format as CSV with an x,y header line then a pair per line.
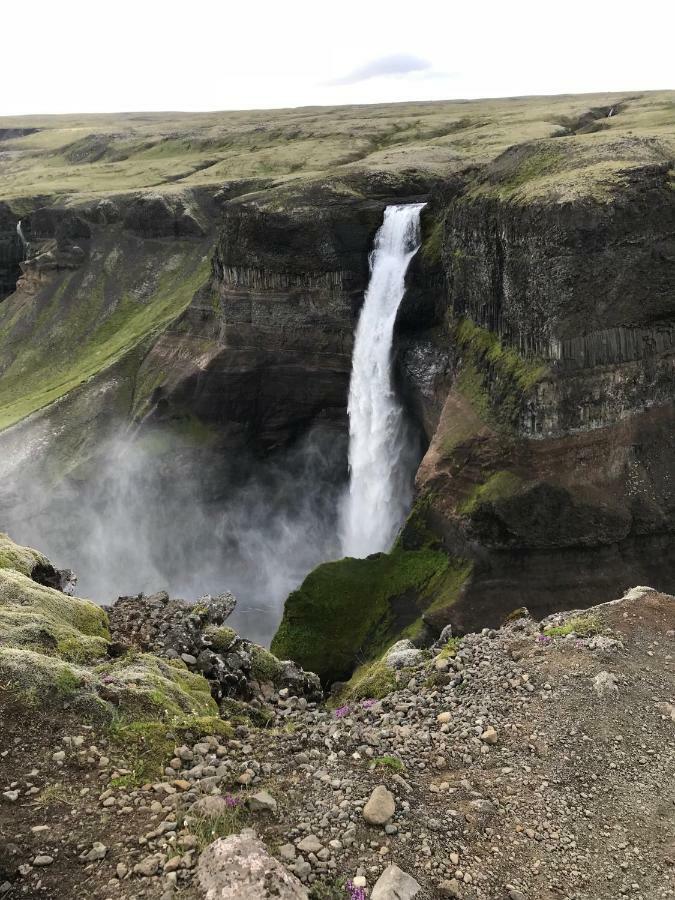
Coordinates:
x,y
371,680
495,378
53,650
21,559
41,618
264,666
221,638
351,608
498,486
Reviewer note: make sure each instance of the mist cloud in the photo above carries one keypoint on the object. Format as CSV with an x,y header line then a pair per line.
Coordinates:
x,y
190,525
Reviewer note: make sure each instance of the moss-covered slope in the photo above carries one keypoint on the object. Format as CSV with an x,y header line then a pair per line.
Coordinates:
x,y
54,651
348,611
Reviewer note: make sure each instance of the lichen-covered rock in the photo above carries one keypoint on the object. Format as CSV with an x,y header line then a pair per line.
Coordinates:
x,y
240,868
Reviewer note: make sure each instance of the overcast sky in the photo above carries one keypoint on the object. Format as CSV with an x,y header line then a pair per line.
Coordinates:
x,y
113,55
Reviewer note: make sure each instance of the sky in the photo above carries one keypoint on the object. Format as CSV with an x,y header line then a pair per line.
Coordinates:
x,y
127,55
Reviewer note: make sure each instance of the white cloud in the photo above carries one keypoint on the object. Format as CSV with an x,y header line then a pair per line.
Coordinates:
x,y
385,66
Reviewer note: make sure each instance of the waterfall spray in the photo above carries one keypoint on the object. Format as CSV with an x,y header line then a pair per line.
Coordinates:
x,y
380,446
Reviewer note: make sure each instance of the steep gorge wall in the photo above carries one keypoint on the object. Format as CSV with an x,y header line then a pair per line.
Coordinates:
x,y
551,456
269,353
535,348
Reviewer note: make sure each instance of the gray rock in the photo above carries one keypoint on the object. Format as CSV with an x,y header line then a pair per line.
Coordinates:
x,y
148,867
209,807
380,807
605,685
402,654
395,884
262,802
240,868
43,860
310,844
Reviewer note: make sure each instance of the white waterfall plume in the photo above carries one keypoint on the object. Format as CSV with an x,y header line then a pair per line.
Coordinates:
x,y
380,447
22,238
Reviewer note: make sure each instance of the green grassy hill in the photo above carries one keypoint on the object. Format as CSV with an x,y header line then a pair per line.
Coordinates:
x,y
576,144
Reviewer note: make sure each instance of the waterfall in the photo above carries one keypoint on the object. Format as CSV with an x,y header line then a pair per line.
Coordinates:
x,y
381,454
22,238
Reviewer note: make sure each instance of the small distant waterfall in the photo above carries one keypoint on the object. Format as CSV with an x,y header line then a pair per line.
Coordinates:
x,y
380,446
22,238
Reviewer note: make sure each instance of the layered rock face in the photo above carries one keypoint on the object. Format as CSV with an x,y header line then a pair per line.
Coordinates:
x,y
269,353
546,386
11,251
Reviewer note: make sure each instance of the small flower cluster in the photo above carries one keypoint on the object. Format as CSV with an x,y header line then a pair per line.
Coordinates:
x,y
544,639
366,704
232,802
355,893
342,711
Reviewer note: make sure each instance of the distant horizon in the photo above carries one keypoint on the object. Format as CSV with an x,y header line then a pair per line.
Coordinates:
x,y
310,106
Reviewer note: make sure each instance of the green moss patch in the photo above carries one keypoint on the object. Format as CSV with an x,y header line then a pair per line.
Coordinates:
x,y
498,486
21,559
38,617
494,378
101,312
373,680
352,607
582,626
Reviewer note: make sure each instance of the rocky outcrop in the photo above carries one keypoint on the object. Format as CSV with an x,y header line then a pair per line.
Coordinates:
x,y
196,635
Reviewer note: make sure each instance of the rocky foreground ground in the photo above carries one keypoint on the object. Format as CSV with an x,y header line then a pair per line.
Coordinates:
x,y
533,762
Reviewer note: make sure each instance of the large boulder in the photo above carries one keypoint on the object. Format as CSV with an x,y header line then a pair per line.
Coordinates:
x,y
240,868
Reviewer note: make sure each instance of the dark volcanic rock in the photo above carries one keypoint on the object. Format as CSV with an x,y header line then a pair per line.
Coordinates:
x,y
11,251
196,633
546,384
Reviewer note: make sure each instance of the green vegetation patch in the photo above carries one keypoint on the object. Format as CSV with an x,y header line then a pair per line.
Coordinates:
x,y
494,378
371,680
37,617
353,607
84,322
21,559
231,820
582,626
432,244
388,762
148,745
498,486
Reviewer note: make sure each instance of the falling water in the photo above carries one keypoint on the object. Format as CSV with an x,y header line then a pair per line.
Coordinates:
x,y
22,238
380,446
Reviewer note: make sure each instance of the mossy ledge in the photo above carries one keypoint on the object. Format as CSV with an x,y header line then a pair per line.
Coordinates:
x,y
54,659
349,611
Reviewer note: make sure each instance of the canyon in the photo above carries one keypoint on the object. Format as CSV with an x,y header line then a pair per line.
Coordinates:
x,y
192,285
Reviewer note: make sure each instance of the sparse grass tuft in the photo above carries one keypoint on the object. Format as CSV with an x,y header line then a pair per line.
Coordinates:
x,y
388,762
582,626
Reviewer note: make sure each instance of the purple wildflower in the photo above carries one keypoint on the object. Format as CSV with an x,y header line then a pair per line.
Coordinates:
x,y
341,712
544,638
366,704
232,802
355,893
